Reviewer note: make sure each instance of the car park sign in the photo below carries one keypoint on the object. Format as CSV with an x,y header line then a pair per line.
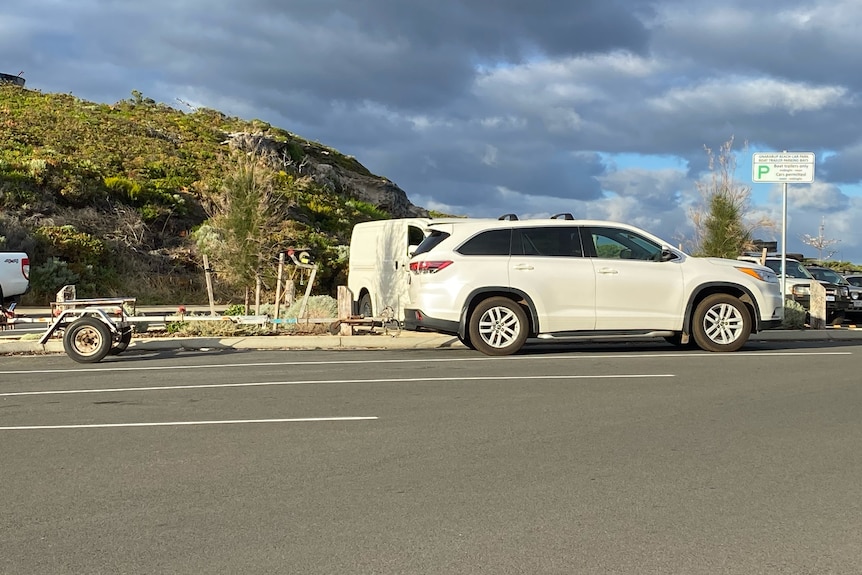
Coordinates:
x,y
782,167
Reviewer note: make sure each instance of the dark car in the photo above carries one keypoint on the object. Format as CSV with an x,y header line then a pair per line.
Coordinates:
x,y
838,301
824,274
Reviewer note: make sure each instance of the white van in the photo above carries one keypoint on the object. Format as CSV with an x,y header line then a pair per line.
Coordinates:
x,y
378,270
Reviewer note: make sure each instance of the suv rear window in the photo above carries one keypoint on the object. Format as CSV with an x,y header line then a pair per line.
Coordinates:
x,y
430,242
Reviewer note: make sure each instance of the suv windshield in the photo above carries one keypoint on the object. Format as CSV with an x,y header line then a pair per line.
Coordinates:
x,y
827,275
794,269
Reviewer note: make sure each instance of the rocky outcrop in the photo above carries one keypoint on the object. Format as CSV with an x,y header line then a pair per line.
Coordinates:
x,y
330,169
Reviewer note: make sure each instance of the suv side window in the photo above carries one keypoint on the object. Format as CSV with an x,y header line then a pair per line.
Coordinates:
x,y
620,244
554,241
489,243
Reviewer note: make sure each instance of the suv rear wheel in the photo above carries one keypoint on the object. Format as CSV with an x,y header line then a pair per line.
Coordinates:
x,y
498,326
721,323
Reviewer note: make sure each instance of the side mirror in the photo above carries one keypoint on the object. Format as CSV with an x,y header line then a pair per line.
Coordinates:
x,y
668,255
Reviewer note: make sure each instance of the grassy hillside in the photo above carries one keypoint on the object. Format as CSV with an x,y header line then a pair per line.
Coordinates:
x,y
109,196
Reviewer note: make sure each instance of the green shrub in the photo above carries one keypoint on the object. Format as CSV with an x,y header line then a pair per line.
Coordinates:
x,y
235,309
124,188
49,278
794,315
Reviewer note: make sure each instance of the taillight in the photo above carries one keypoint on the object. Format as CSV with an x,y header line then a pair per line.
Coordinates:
x,y
428,267
25,267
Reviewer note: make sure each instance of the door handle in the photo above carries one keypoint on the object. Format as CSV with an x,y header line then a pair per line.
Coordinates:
x,y
523,267
608,271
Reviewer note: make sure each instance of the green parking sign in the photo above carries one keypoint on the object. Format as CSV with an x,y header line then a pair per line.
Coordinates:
x,y
782,167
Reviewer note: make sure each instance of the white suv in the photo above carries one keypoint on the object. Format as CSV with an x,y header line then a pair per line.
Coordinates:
x,y
495,283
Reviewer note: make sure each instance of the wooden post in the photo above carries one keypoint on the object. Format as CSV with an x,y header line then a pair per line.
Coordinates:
x,y
208,273
345,310
817,305
289,293
307,293
257,289
278,287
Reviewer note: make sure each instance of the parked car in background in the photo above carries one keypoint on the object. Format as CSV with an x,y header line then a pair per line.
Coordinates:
x,y
496,283
854,279
798,287
825,274
14,275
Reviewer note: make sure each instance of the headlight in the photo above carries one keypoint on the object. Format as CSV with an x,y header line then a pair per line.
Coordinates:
x,y
854,295
800,290
764,275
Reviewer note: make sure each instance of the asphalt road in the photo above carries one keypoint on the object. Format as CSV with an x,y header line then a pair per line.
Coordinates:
x,y
588,459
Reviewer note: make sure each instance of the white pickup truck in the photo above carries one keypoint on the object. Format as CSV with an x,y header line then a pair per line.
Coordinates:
x,y
14,275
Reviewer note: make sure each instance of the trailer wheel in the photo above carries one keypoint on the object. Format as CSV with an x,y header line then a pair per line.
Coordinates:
x,y
87,340
123,343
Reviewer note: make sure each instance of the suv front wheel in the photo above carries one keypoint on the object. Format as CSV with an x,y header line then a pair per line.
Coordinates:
x,y
721,322
498,326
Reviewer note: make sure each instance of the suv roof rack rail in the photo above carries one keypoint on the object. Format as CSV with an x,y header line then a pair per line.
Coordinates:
x,y
510,217
563,216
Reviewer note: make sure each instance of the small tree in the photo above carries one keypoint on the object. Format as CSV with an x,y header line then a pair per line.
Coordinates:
x,y
721,229
249,221
240,235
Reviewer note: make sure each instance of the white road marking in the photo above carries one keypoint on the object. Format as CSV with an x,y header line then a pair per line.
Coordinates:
x,y
543,357
328,381
175,423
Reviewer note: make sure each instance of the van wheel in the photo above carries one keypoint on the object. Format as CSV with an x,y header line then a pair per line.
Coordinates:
x,y
365,306
498,326
721,323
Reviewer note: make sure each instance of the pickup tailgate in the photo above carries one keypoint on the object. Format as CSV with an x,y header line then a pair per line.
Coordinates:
x,y
14,274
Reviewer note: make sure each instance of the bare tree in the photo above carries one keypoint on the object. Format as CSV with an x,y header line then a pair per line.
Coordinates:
x,y
721,227
821,243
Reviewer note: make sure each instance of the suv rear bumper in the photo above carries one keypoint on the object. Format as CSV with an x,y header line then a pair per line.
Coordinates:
x,y
415,320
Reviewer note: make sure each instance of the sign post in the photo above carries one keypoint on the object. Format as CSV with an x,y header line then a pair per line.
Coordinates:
x,y
783,167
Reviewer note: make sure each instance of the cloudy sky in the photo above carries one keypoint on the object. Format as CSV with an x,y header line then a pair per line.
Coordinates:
x,y
601,108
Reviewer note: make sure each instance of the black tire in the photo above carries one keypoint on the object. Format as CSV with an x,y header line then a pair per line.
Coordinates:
x,y
721,323
466,341
364,308
87,340
123,343
498,326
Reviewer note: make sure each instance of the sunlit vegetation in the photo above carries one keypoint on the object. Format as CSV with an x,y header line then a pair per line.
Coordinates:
x,y
110,196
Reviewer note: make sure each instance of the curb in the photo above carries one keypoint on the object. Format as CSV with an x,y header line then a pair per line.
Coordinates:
x,y
406,340
371,342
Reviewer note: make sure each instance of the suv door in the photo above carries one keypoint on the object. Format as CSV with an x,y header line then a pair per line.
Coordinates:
x,y
547,263
635,289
